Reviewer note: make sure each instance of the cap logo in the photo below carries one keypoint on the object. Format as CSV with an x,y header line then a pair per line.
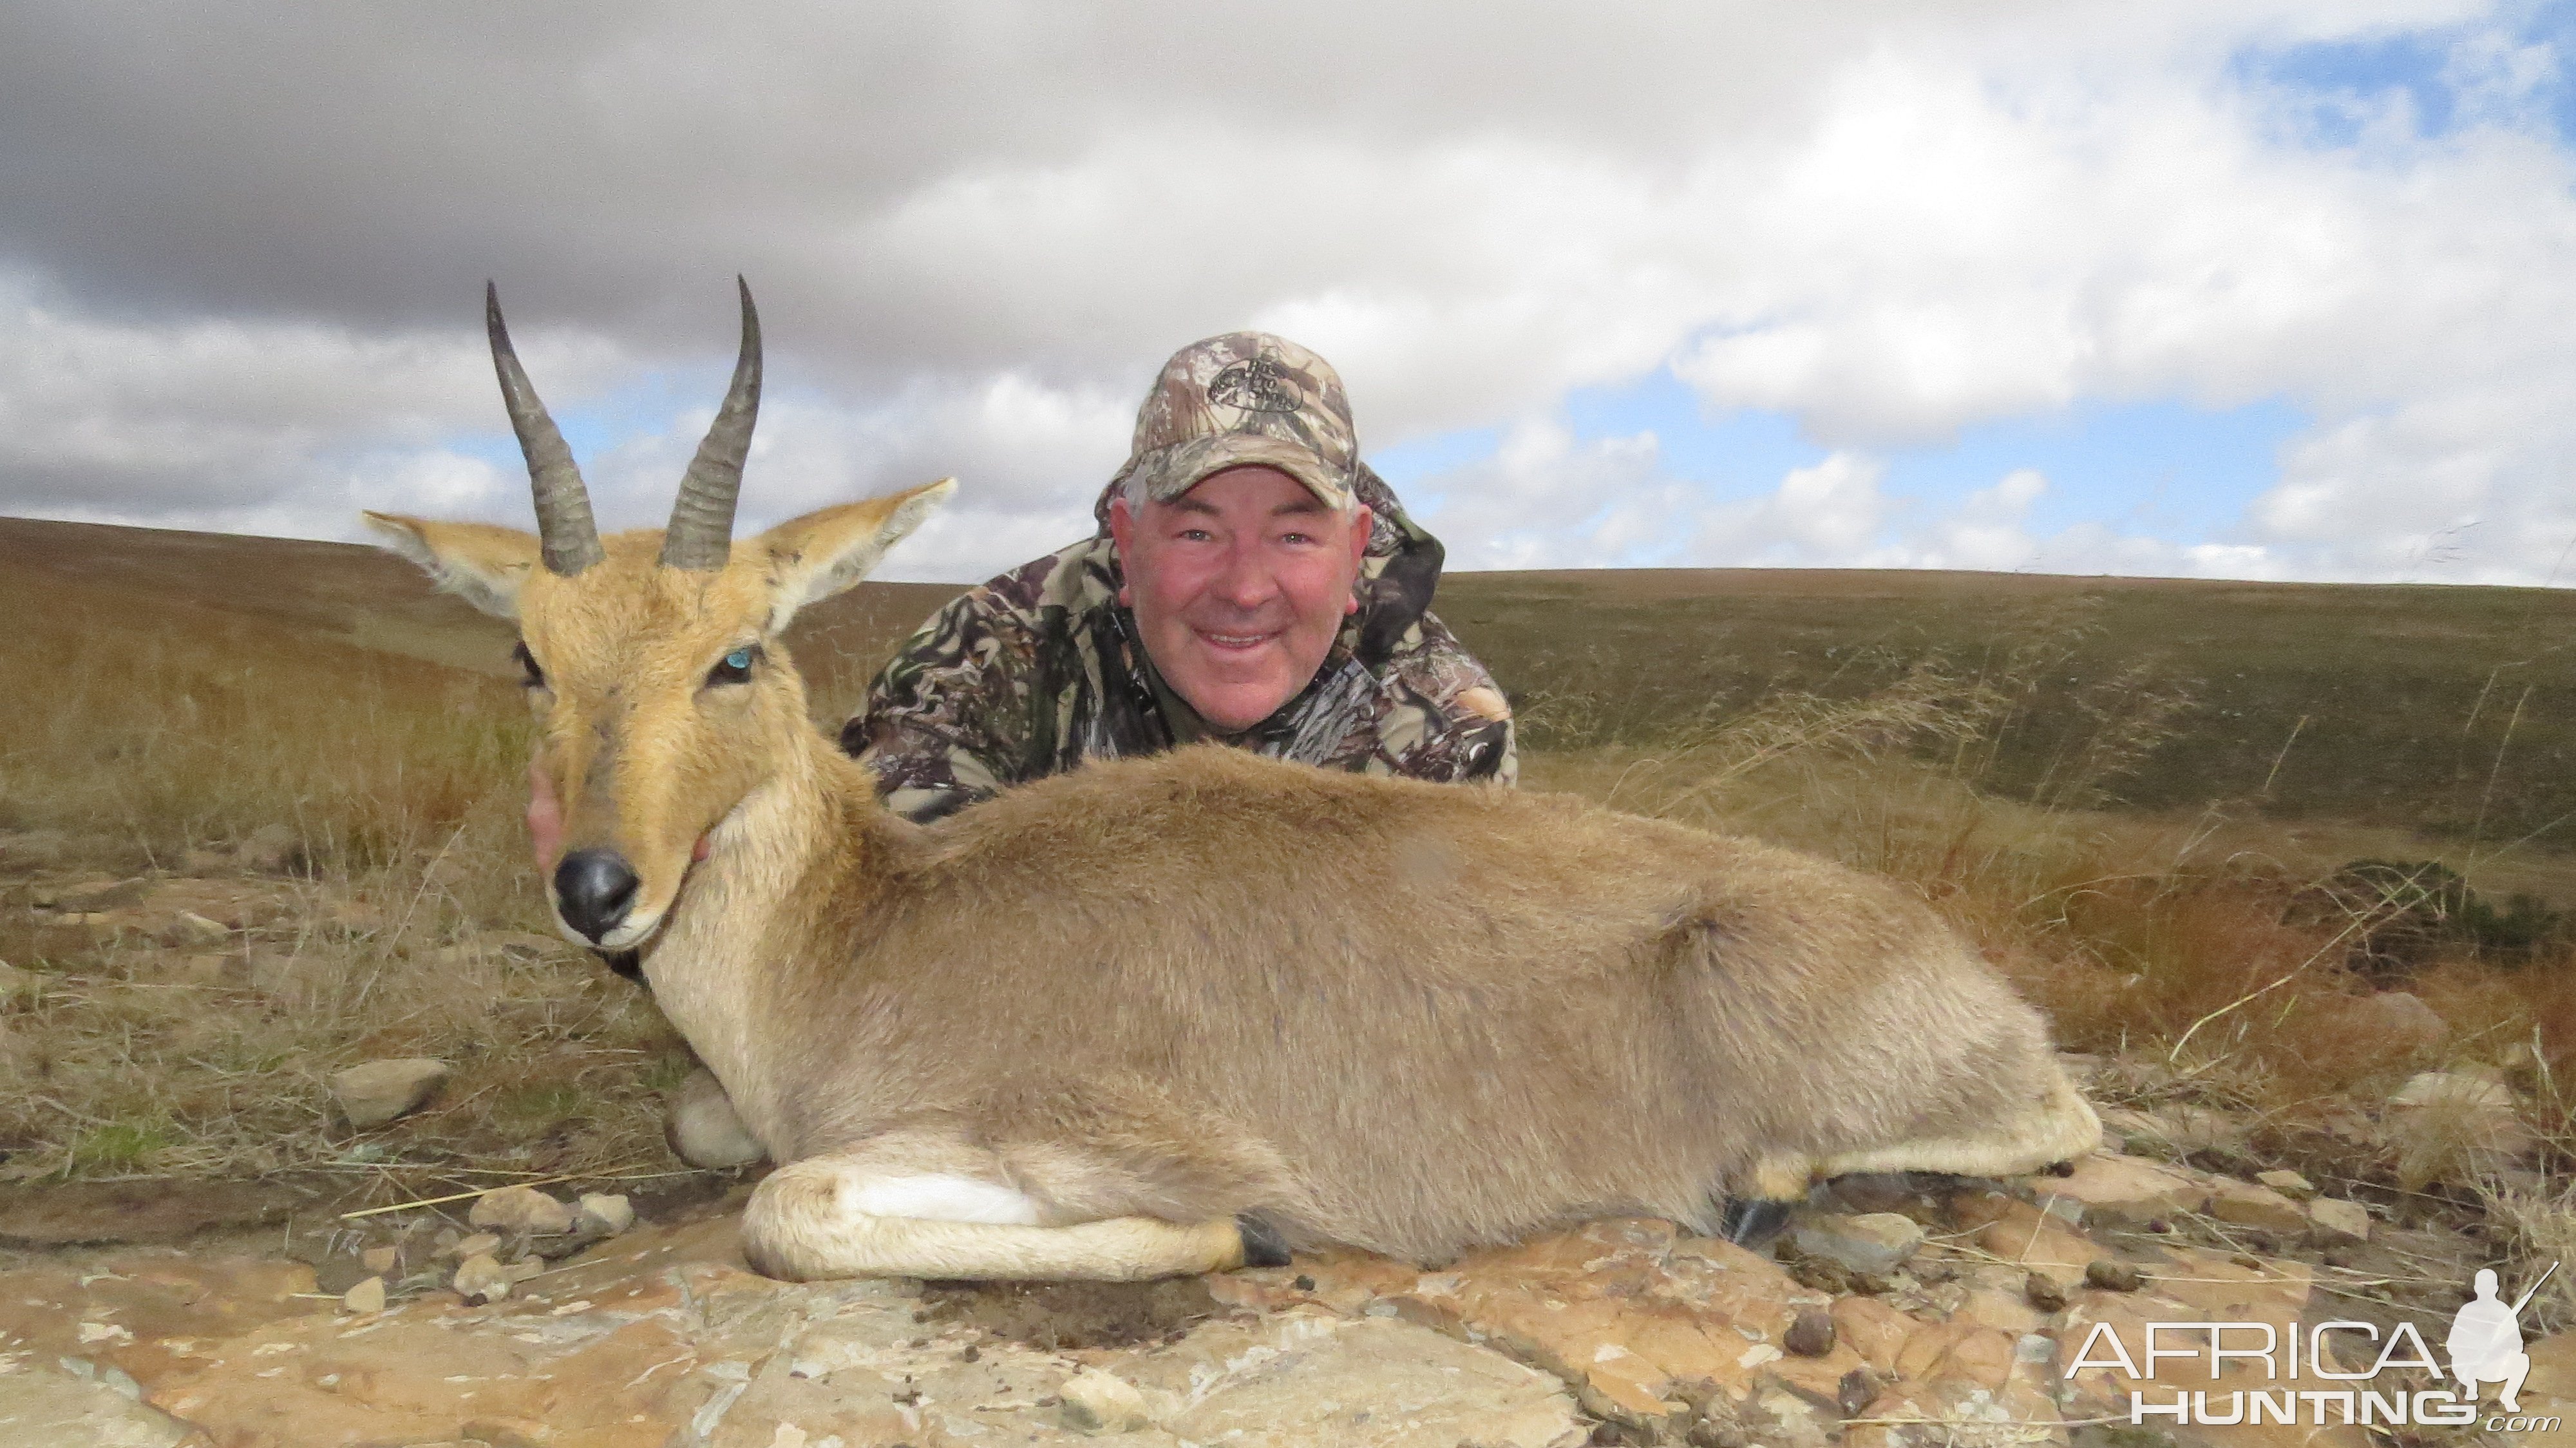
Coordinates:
x,y
1256,384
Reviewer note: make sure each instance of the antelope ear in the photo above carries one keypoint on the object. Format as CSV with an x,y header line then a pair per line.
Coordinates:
x,y
813,557
482,563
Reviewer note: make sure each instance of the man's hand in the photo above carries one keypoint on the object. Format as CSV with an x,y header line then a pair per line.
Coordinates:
x,y
545,818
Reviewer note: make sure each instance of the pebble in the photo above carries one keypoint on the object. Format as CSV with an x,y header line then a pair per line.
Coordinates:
x,y
613,1213
523,1210
366,1297
379,1091
2112,1276
1102,1402
1811,1334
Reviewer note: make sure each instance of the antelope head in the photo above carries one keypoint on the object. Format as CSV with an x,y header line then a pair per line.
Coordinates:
x,y
661,698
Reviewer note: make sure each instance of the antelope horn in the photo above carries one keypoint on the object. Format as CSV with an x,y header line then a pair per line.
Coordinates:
x,y
565,529
701,531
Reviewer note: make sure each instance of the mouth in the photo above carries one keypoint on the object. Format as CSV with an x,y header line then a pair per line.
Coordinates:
x,y
1234,643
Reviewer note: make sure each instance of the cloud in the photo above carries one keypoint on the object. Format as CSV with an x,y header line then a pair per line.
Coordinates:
x,y
976,230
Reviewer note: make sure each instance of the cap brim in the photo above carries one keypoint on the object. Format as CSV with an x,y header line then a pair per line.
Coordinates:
x,y
1171,471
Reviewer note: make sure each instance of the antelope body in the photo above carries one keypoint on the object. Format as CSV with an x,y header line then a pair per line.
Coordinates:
x,y
1163,1015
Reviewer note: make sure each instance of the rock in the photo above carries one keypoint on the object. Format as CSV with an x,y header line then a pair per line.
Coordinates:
x,y
2247,1205
43,1406
2111,1276
702,1128
2333,1222
375,1093
612,1214
1876,1242
481,1278
2450,1124
1810,1334
1102,1402
473,1246
2120,1191
2288,1183
522,1210
273,849
380,1260
2403,1023
367,1296
2043,1293
188,928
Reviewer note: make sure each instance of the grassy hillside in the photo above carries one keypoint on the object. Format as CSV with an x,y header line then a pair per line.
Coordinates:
x,y
2449,711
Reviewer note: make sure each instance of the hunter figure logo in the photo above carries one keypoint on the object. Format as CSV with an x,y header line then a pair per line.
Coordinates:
x,y
2297,1375
2486,1341
1257,384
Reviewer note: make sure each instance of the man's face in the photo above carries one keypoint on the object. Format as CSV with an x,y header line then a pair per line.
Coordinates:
x,y
1239,586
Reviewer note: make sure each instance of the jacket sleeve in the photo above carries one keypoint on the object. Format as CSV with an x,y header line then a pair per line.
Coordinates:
x,y
1467,732
947,721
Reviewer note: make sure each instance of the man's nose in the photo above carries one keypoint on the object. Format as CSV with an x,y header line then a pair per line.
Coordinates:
x,y
1245,579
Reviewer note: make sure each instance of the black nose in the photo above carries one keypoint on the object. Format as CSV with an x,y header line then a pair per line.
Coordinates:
x,y
593,889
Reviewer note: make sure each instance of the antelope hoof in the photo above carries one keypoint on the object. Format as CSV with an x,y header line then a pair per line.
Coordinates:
x,y
1262,1244
1751,1222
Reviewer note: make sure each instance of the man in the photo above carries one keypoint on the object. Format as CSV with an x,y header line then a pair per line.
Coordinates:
x,y
1252,583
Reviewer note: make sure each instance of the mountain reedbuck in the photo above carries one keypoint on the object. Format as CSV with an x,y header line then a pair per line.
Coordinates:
x,y
1171,1014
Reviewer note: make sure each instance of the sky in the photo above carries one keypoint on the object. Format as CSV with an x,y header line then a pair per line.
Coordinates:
x,y
2225,288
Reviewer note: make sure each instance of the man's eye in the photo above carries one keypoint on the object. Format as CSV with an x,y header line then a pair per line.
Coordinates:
x,y
735,667
536,677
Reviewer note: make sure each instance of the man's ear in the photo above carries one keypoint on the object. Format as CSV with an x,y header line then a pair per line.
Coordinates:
x,y
813,557
482,563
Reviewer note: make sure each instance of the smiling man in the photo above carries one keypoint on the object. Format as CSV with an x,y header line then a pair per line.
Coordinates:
x,y
1252,583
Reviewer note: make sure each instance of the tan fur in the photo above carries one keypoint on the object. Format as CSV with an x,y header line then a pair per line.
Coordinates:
x,y
1153,994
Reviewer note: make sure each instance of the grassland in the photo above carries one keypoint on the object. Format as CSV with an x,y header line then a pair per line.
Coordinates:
x,y
2121,790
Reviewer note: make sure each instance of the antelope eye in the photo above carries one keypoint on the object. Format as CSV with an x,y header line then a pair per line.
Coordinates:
x,y
536,678
735,667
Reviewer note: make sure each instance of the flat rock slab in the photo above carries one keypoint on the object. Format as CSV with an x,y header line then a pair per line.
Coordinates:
x,y
45,1407
663,1335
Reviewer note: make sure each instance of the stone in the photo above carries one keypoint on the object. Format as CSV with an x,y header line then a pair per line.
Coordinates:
x,y
1875,1242
188,928
367,1296
525,1211
2288,1183
473,1246
2112,1276
2403,1022
1810,1334
44,1406
2334,1222
1102,1402
380,1260
481,1278
612,1213
2247,1205
2043,1293
2449,1124
273,849
379,1091
2120,1191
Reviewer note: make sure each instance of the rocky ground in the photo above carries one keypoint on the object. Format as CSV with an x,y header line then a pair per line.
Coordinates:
x,y
1888,1314
159,1312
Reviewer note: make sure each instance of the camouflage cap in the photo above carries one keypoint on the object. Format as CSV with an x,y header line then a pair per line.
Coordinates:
x,y
1239,400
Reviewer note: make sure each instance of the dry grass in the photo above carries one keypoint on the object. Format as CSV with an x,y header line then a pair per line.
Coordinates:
x,y
126,1055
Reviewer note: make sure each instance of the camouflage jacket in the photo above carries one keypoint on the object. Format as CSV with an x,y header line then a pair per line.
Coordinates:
x,y
1032,673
